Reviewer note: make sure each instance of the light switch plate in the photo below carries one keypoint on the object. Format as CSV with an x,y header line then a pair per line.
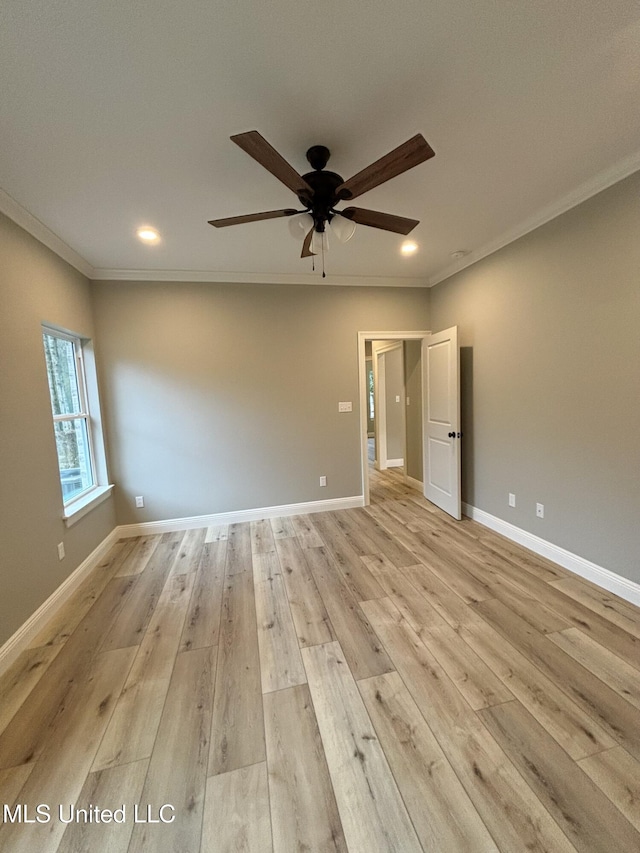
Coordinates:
x,y
345,407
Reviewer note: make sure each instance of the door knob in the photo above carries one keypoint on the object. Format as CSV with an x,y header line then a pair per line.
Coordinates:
x,y
451,434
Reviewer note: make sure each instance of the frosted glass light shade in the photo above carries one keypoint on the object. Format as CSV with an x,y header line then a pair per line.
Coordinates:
x,y
299,225
319,242
343,228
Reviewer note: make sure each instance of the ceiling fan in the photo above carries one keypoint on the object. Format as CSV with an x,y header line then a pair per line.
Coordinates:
x,y
320,191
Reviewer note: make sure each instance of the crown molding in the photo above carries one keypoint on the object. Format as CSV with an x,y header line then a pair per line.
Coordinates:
x,y
602,181
257,278
11,208
32,225
14,210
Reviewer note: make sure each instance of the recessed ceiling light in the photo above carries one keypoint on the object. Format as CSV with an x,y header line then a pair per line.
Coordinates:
x,y
409,247
148,235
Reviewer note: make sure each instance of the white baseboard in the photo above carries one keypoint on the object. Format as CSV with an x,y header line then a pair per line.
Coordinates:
x,y
395,463
173,524
418,485
34,624
625,588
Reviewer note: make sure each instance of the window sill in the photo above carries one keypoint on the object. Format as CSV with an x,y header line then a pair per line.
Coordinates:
x,y
79,508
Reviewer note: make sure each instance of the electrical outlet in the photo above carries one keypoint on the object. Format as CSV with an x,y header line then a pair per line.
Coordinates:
x,y
397,398
61,551
323,481
139,501
540,510
512,499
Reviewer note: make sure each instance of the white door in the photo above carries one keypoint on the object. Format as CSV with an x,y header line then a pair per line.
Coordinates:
x,y
441,378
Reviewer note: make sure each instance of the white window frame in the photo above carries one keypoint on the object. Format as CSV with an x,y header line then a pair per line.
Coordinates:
x,y
80,504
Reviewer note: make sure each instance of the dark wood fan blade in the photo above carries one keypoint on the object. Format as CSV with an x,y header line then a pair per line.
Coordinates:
x,y
306,246
251,217
257,147
412,152
375,219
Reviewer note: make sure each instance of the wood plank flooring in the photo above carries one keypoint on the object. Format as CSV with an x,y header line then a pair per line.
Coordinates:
x,y
377,680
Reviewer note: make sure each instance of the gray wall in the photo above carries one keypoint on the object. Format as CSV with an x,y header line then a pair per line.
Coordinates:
x,y
394,387
413,412
225,397
36,286
371,425
550,331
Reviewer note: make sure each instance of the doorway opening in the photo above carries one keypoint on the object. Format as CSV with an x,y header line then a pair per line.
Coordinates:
x,y
435,415
390,372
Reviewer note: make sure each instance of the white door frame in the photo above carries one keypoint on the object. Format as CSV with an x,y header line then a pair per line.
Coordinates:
x,y
362,381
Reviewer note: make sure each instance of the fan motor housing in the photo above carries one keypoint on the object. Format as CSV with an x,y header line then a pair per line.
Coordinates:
x,y
324,185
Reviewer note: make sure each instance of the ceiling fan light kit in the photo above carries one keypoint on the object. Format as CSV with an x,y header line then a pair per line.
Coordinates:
x,y
319,242
299,225
342,227
320,191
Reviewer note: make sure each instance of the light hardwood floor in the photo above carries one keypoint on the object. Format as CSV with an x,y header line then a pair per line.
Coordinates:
x,y
379,679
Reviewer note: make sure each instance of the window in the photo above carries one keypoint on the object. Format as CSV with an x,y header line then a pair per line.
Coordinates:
x,y
71,422
77,424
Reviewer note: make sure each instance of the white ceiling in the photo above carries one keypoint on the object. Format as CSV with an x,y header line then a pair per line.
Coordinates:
x,y
117,114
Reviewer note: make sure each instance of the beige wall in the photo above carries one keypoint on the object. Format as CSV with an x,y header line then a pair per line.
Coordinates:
x,y
550,335
225,397
35,286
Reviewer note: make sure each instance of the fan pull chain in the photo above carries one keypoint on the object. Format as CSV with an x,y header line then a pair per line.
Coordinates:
x,y
323,272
